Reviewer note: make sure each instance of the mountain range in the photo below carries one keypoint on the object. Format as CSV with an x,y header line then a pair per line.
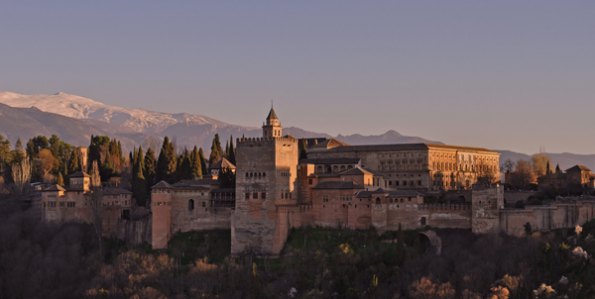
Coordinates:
x,y
75,118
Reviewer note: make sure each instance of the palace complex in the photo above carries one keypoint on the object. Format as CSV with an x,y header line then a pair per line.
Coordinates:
x,y
282,182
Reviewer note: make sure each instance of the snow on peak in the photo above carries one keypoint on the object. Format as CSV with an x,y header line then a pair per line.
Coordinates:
x,y
74,106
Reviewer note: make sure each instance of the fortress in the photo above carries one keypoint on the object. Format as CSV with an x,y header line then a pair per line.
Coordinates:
x,y
284,183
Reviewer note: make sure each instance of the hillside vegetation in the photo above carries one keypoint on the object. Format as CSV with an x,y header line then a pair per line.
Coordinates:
x,y
63,261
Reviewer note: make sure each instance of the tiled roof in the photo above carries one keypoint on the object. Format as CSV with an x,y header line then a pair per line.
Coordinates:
x,y
387,193
162,185
331,161
200,184
356,171
115,191
401,147
578,168
223,164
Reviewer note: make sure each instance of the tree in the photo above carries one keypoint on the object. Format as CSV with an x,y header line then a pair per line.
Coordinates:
x,y
203,161
75,162
149,170
195,164
166,163
95,176
45,164
232,152
216,151
36,144
139,183
21,173
523,175
5,158
540,163
184,169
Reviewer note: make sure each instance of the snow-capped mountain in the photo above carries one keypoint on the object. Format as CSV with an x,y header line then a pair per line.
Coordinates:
x,y
132,120
138,126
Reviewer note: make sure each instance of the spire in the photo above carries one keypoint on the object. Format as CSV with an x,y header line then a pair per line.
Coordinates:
x,y
272,126
272,115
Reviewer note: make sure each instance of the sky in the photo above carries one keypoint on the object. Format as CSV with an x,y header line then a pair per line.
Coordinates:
x,y
516,75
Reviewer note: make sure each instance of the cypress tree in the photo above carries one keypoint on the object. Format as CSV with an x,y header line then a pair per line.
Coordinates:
x,y
232,151
150,165
226,155
184,166
139,184
166,163
203,161
74,164
215,151
196,164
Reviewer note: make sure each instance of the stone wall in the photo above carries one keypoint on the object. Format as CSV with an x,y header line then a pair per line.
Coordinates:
x,y
545,218
486,205
265,194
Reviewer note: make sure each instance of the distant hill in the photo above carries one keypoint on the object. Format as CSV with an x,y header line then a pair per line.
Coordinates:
x,y
28,122
390,137
75,118
138,126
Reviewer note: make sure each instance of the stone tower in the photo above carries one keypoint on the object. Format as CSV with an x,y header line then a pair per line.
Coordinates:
x,y
266,178
161,197
272,127
486,204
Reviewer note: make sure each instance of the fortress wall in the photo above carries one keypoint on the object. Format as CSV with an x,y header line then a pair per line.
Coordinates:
x,y
359,214
136,231
201,217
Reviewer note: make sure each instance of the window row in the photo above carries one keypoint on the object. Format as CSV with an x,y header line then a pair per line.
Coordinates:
x,y
256,175
53,204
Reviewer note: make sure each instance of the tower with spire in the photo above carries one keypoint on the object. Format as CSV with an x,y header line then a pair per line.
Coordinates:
x,y
266,196
272,126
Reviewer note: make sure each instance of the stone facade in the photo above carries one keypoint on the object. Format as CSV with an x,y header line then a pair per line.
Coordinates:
x,y
78,203
422,166
189,205
353,187
266,193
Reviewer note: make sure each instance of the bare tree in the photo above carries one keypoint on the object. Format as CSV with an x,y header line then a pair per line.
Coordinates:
x,y
21,173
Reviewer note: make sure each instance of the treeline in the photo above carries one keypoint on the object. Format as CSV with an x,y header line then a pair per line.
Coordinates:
x,y
523,174
53,161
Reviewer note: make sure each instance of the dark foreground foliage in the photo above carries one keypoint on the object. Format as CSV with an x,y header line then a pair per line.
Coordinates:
x,y
63,261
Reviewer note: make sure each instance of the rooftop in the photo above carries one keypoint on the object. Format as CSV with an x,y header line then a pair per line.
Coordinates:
x,y
338,185
403,147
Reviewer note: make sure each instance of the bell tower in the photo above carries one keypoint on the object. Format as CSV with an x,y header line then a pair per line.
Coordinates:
x,y
272,127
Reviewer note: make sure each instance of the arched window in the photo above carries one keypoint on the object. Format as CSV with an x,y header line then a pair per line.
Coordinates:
x,y
377,200
191,205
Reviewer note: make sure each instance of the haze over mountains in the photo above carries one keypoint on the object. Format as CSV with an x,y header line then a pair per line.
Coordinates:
x,y
75,118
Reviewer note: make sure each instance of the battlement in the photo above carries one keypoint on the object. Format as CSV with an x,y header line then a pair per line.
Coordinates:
x,y
256,141
444,207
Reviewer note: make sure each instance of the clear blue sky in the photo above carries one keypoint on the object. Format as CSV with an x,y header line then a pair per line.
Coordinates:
x,y
499,74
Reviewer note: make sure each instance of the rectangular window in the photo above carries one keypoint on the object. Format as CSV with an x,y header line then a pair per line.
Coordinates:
x,y
247,195
263,195
255,195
